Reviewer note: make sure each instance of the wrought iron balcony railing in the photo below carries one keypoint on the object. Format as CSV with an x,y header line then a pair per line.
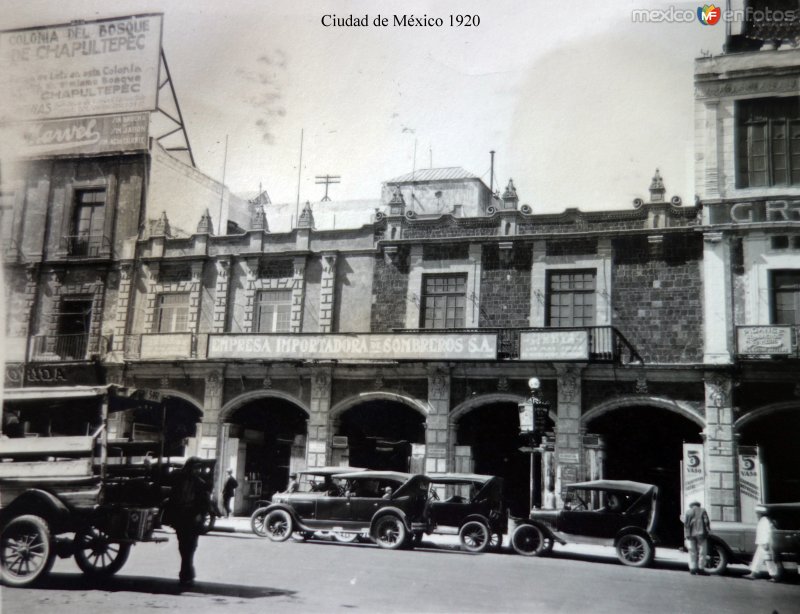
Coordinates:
x,y
68,347
87,245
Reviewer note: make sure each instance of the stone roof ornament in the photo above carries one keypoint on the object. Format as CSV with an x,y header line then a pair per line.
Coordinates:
x,y
306,217
205,227
657,189
160,227
258,219
397,197
510,198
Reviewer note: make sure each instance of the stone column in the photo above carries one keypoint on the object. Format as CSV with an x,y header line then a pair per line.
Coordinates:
x,y
568,429
318,430
298,293
436,431
123,304
717,320
221,295
327,293
721,500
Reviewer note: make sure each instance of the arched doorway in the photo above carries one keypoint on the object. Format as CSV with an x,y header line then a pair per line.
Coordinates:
x,y
645,444
379,434
497,448
266,442
769,429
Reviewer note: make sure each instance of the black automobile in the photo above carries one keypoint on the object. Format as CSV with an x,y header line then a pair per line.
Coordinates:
x,y
388,507
471,506
614,513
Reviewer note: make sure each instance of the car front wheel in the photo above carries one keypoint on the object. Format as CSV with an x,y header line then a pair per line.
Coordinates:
x,y
717,559
278,525
390,532
635,550
475,536
257,522
26,550
528,540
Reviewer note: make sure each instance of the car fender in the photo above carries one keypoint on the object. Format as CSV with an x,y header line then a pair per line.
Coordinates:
x,y
477,517
384,511
286,508
39,503
633,530
546,531
733,557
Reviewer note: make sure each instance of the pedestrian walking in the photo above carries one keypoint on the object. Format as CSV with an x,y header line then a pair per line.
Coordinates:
x,y
696,528
765,559
189,502
228,490
294,485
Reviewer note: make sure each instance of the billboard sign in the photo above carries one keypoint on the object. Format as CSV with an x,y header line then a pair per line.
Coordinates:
x,y
78,135
693,475
764,340
80,69
750,489
411,346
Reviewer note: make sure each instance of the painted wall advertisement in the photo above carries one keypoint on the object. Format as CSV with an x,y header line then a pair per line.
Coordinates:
x,y
80,69
692,475
750,491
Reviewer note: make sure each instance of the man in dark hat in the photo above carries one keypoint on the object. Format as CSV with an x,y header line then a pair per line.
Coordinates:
x,y
189,502
696,528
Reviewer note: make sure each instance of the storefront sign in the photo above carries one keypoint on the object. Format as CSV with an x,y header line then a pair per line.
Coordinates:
x,y
750,490
177,345
80,69
693,475
82,135
568,457
412,346
554,345
749,212
764,340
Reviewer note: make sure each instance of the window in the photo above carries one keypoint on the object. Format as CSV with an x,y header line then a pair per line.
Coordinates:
x,y
6,218
73,326
273,311
87,230
173,313
786,297
768,142
571,298
444,301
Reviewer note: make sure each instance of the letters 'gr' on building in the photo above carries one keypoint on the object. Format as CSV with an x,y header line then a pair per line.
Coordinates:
x,y
403,337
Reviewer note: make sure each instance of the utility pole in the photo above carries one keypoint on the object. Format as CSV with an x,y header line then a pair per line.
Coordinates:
x,y
327,180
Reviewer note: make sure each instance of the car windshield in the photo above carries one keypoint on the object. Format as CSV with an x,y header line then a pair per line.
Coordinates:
x,y
599,500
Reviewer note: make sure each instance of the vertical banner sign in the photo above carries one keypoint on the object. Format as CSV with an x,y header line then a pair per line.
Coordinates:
x,y
750,491
693,475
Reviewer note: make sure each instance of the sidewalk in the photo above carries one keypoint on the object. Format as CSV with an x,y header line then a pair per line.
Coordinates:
x,y
241,524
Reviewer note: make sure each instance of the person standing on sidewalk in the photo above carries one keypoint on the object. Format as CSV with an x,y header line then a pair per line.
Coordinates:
x,y
189,502
765,556
696,528
228,491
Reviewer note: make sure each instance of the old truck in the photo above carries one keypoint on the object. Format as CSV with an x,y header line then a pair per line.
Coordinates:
x,y
76,495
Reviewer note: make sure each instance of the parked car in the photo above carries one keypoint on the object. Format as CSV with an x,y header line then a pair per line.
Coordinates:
x,y
616,513
734,542
319,482
473,509
390,508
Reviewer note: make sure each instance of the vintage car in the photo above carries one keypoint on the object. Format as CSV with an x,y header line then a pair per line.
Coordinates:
x,y
317,482
614,513
388,507
734,542
470,506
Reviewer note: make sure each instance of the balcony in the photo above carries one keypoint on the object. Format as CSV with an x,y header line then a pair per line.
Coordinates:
x,y
768,342
87,245
67,347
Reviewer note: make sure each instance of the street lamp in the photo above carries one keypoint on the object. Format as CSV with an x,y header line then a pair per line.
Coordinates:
x,y
532,424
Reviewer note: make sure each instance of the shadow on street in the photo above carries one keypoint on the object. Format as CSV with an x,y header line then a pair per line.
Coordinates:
x,y
157,586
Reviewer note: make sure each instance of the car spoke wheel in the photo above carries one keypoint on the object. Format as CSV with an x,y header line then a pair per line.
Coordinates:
x,y
278,525
635,550
96,555
26,551
390,532
528,540
717,559
474,536
257,522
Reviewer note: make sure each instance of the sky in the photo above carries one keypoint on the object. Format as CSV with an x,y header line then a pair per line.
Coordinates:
x,y
579,103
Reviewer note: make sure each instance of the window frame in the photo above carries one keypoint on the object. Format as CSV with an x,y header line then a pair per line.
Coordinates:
x,y
770,116
88,241
174,310
793,290
460,279
587,308
277,324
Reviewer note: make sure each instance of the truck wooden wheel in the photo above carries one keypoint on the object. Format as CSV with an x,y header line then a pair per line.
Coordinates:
x,y
26,550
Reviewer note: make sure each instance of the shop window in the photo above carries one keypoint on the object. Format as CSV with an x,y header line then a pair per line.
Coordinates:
x,y
73,326
786,297
173,313
768,142
444,300
571,298
86,237
273,311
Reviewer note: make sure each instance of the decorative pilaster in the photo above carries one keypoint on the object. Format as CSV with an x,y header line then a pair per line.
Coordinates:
x,y
568,430
251,275
720,449
298,293
123,303
150,274
317,451
436,424
327,293
223,267
31,282
194,295
716,298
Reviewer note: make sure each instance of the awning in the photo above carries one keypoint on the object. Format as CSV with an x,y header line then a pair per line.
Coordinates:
x,y
55,392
